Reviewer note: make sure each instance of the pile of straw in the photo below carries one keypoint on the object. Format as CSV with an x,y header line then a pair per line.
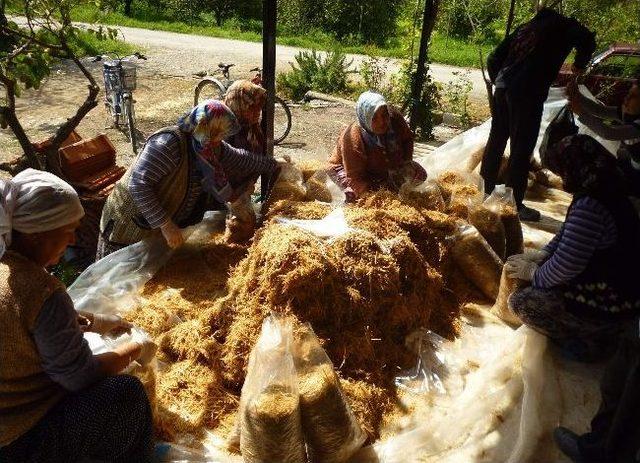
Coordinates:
x,y
362,293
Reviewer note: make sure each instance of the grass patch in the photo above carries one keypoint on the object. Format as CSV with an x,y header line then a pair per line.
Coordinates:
x,y
443,49
87,44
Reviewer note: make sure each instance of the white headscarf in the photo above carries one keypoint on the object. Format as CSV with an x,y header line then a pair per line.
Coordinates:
x,y
35,201
366,107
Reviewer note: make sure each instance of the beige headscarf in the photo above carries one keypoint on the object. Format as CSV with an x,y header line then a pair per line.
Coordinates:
x,y
35,201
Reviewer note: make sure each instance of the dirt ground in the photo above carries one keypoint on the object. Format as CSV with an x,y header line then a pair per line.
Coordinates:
x,y
159,101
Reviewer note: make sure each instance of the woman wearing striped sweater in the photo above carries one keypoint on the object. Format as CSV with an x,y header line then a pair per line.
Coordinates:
x,y
181,172
584,286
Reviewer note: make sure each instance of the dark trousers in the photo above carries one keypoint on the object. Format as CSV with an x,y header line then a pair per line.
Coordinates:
x,y
517,118
615,430
109,421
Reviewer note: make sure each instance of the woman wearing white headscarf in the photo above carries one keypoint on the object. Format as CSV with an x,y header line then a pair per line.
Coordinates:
x,y
376,151
58,401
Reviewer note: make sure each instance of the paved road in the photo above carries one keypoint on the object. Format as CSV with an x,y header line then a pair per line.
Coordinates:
x,y
182,54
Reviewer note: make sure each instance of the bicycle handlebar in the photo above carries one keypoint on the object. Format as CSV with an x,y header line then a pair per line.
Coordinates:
x,y
138,55
255,70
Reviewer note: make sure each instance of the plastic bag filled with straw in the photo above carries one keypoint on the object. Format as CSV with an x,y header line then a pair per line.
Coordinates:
x,y
477,261
270,429
332,433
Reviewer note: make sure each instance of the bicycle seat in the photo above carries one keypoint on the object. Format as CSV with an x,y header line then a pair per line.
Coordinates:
x,y
225,67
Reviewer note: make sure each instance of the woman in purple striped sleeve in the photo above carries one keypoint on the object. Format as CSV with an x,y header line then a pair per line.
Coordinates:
x,y
182,171
584,288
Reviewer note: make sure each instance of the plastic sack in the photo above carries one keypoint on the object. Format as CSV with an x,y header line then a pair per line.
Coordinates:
x,y
320,187
289,185
112,284
487,221
477,261
561,126
501,308
330,427
426,195
457,151
270,429
502,202
430,370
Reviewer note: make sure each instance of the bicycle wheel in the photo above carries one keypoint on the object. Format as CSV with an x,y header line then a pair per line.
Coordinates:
x,y
129,114
110,105
208,88
281,121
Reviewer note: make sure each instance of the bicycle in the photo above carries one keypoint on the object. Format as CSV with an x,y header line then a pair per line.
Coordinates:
x,y
120,79
210,87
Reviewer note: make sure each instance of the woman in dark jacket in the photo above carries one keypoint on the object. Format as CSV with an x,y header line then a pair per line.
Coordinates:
x,y
584,286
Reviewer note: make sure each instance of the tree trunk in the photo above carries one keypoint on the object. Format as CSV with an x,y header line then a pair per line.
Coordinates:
x,y
428,23
218,15
127,7
512,11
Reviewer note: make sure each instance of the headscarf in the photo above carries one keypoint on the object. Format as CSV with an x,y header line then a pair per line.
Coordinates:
x,y
366,107
584,165
35,201
210,121
240,97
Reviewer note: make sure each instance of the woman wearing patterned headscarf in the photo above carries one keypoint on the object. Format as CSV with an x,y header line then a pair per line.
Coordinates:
x,y
584,283
181,172
376,151
246,100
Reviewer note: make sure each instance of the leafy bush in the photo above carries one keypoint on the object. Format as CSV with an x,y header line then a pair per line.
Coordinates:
x,y
373,21
312,70
456,96
470,19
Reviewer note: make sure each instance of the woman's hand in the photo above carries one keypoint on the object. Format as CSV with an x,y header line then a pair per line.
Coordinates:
x,y
521,269
172,234
533,255
109,324
148,348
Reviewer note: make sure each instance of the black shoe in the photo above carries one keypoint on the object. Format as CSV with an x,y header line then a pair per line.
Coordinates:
x,y
567,442
528,215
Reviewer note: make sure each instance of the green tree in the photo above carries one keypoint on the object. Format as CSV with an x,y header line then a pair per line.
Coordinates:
x,y
222,9
26,59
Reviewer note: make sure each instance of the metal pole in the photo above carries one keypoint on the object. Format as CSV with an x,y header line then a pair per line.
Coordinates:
x,y
269,19
428,21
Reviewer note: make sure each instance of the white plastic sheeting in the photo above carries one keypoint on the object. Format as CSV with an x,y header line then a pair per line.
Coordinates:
x,y
454,154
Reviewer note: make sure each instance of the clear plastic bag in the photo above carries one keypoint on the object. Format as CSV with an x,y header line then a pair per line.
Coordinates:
x,y
501,308
330,427
112,284
430,371
321,188
425,195
488,222
271,429
502,202
477,261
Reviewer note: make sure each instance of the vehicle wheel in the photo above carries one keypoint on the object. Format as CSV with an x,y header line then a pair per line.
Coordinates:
x,y
208,88
281,121
115,117
131,122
